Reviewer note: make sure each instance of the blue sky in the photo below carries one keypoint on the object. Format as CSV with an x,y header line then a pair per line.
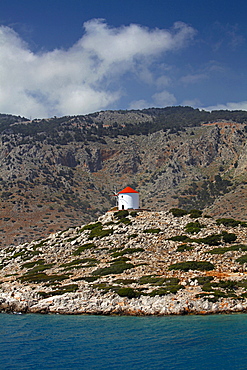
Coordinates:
x,y
69,57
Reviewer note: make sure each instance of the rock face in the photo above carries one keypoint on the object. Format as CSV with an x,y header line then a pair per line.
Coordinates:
x,y
145,263
59,172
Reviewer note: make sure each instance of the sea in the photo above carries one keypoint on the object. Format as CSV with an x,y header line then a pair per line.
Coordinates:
x,y
32,341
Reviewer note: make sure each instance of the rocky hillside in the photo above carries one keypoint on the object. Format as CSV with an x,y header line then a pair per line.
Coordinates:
x,y
131,263
61,172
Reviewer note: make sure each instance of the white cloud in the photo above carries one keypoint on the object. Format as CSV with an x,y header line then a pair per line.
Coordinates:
x,y
229,106
161,99
139,104
164,98
163,81
81,79
195,103
193,78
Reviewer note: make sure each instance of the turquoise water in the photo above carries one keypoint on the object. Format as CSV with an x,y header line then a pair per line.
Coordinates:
x,y
98,342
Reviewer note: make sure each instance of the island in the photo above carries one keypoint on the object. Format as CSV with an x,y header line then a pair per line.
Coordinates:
x,y
131,262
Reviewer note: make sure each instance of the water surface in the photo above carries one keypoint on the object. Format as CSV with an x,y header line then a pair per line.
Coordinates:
x,y
102,342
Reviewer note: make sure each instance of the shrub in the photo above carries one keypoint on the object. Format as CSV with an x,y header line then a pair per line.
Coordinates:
x,y
32,264
40,268
98,232
242,259
228,222
152,231
133,213
83,247
177,212
128,292
62,290
124,281
193,227
180,238
113,269
125,221
219,250
195,213
235,247
183,248
203,279
89,279
42,277
153,280
192,265
213,239
226,284
121,214
229,237
91,226
132,236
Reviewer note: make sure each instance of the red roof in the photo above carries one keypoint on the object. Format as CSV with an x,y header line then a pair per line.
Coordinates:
x,y
127,190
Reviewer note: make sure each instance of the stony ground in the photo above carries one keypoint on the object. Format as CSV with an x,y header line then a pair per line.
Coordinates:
x,y
130,264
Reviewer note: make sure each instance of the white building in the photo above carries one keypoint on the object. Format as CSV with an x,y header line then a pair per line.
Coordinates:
x,y
128,198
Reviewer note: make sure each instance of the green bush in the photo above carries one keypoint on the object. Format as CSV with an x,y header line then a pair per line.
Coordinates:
x,y
193,227
132,236
203,279
133,213
228,222
124,281
89,279
242,259
222,250
195,213
114,269
152,231
62,290
98,232
125,221
121,214
32,264
177,212
40,268
83,247
91,226
42,277
229,237
213,239
219,250
128,292
192,265
226,284
183,248
180,238
158,280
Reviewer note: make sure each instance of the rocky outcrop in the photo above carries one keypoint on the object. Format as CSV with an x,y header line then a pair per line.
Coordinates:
x,y
127,265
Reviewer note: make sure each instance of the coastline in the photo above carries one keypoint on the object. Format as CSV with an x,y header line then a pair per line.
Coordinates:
x,y
94,303
143,264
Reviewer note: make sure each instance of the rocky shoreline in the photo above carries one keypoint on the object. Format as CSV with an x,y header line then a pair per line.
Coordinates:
x,y
130,265
93,303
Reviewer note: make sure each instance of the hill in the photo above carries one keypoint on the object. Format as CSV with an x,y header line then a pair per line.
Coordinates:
x,y
135,263
60,172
